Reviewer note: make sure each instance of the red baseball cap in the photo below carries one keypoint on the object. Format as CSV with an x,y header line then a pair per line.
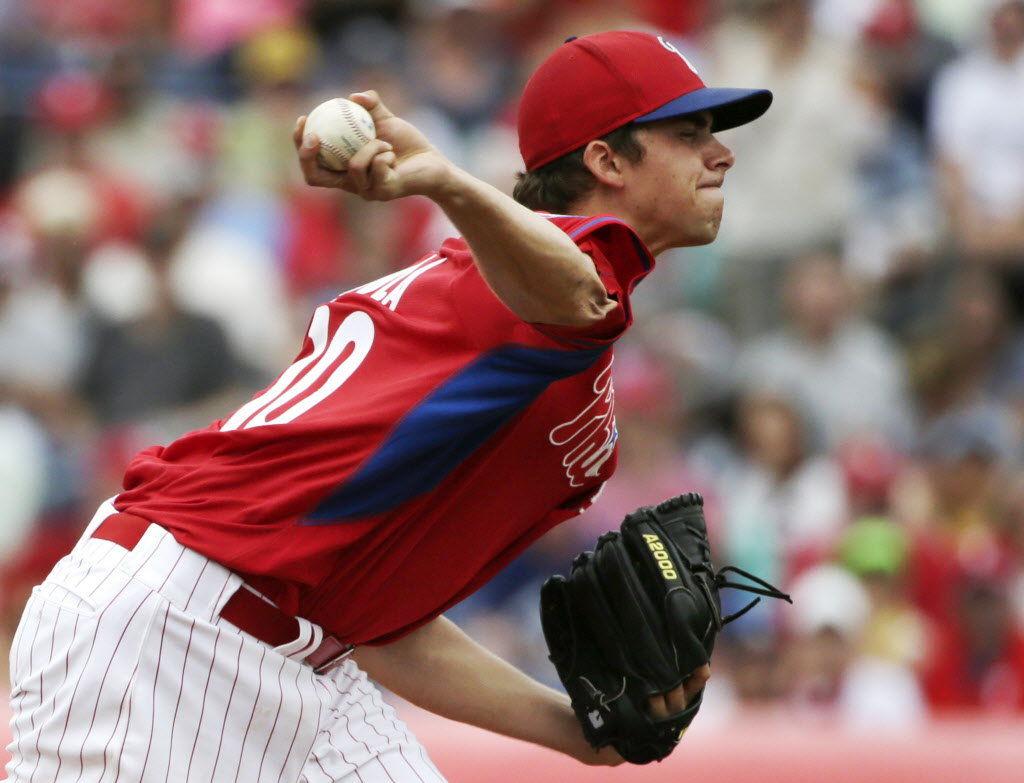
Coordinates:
x,y
592,85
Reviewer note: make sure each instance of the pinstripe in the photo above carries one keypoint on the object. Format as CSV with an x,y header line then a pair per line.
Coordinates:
x,y
366,721
330,778
378,703
220,595
78,681
273,727
351,686
53,700
202,710
329,735
310,753
127,723
105,575
298,723
355,767
227,709
401,752
336,714
372,755
329,731
181,685
18,691
26,675
120,711
198,580
49,657
255,701
170,571
404,730
348,729
99,692
156,677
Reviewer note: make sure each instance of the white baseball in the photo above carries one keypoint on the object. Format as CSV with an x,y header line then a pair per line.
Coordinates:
x,y
342,127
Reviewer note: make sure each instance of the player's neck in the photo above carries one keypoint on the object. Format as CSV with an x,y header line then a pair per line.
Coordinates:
x,y
598,203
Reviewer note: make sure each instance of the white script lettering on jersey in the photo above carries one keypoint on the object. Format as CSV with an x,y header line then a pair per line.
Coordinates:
x,y
388,290
590,435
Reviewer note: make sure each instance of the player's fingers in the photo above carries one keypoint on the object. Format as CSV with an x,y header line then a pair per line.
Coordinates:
x,y
312,171
657,707
308,149
370,101
696,682
359,164
675,700
300,125
380,170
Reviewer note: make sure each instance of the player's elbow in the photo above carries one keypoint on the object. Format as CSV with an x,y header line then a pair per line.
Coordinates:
x,y
593,309
582,307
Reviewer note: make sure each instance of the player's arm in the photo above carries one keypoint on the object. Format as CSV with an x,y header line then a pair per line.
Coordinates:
x,y
439,668
531,265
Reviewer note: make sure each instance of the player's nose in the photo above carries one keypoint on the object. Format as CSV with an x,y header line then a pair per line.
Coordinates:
x,y
720,158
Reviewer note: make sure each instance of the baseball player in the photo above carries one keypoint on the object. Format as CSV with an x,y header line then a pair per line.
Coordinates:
x,y
219,617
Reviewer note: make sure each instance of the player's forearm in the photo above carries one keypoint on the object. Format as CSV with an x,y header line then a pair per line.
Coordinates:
x,y
443,671
532,265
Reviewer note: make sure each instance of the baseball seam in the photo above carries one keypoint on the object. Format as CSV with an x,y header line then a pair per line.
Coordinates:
x,y
349,115
344,153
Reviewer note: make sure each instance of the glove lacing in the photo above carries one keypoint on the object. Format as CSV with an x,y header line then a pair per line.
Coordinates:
x,y
765,589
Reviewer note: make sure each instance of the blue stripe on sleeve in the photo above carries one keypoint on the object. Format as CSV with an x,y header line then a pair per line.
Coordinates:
x,y
593,223
447,427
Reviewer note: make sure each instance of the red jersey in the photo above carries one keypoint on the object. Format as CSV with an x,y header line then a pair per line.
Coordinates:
x,y
423,437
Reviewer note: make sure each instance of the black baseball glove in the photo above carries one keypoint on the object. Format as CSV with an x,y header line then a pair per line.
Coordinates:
x,y
634,618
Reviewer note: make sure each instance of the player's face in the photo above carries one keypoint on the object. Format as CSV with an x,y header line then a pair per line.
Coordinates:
x,y
676,189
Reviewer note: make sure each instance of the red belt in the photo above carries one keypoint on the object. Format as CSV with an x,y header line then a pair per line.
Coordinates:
x,y
244,609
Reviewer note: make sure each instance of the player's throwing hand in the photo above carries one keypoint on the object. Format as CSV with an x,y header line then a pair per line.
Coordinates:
x,y
399,162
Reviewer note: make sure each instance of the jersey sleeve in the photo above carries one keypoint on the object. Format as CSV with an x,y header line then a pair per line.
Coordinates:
x,y
621,261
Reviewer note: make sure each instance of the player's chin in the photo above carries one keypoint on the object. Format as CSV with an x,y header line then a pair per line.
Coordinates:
x,y
703,234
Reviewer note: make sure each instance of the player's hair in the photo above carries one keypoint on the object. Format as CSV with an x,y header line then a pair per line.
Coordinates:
x,y
557,185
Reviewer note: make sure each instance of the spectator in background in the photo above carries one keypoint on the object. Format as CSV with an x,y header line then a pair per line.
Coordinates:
x,y
796,187
978,663
150,356
460,64
875,550
39,324
273,68
890,239
783,503
965,456
977,124
972,353
830,678
871,467
842,369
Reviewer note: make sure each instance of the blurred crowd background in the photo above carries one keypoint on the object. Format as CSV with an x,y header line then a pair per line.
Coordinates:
x,y
841,373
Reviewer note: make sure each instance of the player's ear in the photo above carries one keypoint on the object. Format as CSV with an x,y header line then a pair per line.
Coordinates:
x,y
603,162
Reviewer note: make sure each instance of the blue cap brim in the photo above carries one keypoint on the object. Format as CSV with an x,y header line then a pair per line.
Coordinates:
x,y
729,106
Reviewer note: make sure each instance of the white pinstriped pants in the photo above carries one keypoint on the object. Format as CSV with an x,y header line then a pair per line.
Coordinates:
x,y
122,670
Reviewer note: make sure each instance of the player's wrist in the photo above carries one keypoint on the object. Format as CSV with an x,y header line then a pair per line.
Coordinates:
x,y
449,185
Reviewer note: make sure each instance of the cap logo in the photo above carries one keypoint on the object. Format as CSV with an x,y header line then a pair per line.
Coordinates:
x,y
673,49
